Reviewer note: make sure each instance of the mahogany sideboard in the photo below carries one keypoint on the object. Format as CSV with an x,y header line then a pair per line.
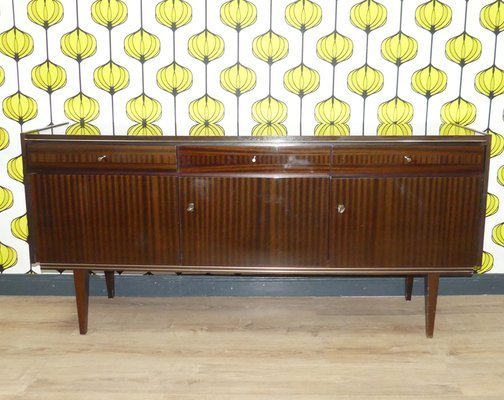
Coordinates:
x,y
402,206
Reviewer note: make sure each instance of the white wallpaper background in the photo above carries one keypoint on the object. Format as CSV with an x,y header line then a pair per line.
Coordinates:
x,y
258,67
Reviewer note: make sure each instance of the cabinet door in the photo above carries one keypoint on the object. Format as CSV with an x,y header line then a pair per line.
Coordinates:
x,y
104,219
254,221
406,222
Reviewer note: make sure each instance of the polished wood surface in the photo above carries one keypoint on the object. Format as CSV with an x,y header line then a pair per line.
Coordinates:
x,y
104,219
255,222
99,156
253,159
252,349
411,206
406,223
404,158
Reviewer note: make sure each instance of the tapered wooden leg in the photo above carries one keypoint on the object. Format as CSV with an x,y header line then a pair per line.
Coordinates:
x,y
431,294
81,281
408,287
109,280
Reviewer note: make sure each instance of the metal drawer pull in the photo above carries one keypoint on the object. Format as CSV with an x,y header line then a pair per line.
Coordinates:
x,y
190,207
102,158
254,159
341,208
408,159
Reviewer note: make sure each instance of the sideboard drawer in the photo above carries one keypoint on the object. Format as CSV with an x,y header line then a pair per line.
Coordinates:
x,y
252,159
83,156
408,159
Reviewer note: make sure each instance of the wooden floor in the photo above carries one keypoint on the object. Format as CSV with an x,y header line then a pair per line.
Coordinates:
x,y
251,348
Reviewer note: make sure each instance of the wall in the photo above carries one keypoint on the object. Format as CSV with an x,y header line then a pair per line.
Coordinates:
x,y
260,67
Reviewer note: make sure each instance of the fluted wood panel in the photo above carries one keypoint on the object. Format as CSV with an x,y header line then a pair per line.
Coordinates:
x,y
109,156
201,159
104,219
255,221
408,159
407,222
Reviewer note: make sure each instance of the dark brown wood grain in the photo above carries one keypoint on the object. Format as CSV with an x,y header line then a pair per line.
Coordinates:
x,y
236,159
81,283
254,221
406,222
104,219
100,156
408,159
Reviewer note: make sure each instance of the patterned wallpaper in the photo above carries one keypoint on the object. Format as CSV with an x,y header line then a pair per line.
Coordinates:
x,y
238,67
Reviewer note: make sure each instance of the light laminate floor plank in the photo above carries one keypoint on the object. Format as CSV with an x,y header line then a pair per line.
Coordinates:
x,y
251,348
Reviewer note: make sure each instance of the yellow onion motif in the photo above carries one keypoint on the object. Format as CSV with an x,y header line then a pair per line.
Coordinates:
x,y
395,111
365,81
2,76
145,130
15,168
269,111
82,128
19,108
4,138
487,263
332,130
173,13
19,227
269,130
332,116
492,204
429,81
301,80
497,146
16,44
45,12
238,79
6,199
498,234
492,16
463,49
206,110
78,44
174,78
48,76
206,130
399,48
111,77
433,16
394,130
142,45
143,109
447,129
334,48
303,14
8,257
238,14
368,15
81,108
206,46
270,47
458,112
500,175
490,82
109,13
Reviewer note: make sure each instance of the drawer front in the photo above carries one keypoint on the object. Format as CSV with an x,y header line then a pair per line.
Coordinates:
x,y
425,158
253,159
101,156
